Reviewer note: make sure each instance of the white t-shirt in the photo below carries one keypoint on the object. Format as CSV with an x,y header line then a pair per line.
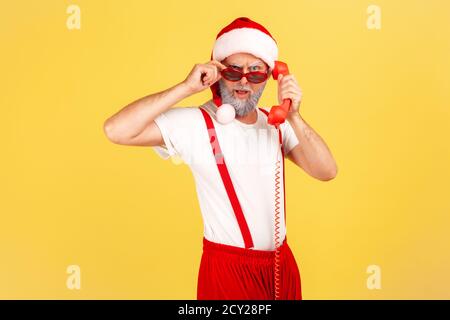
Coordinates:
x,y
250,152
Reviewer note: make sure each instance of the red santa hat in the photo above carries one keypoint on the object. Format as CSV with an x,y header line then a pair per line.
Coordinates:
x,y
241,35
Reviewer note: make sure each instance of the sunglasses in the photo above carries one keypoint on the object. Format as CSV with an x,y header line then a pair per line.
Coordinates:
x,y
235,75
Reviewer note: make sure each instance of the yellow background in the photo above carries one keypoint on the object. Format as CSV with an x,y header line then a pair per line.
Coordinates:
x,y
379,98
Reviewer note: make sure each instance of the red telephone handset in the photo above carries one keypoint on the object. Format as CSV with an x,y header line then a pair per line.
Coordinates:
x,y
279,113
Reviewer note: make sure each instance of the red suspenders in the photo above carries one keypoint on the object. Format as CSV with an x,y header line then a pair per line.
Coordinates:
x,y
227,180
224,174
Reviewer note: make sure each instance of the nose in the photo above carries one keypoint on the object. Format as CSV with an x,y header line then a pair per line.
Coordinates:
x,y
244,79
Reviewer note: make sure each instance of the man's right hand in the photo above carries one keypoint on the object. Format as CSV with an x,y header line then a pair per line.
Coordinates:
x,y
202,76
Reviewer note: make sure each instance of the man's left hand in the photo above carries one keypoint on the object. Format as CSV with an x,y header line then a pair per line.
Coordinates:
x,y
289,88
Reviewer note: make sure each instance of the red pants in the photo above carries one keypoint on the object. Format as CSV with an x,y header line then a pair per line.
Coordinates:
x,y
233,273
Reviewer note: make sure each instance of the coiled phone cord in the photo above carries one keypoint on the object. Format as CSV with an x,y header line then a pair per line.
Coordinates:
x,y
277,220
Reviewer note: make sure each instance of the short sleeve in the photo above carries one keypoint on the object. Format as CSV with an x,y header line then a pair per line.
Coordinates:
x,y
177,126
289,138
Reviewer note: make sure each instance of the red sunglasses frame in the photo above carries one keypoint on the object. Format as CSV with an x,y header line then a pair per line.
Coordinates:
x,y
265,74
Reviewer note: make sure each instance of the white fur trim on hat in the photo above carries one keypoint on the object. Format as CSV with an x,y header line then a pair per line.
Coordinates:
x,y
246,40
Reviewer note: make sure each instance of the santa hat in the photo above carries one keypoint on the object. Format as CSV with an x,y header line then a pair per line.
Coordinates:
x,y
241,35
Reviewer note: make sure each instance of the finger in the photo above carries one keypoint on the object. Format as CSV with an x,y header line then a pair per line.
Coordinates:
x,y
207,83
287,78
216,73
213,75
211,67
206,80
292,95
218,64
290,85
217,77
211,71
288,91
205,75
290,81
292,88
293,91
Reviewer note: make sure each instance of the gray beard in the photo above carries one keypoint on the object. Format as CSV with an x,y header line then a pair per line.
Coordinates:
x,y
242,107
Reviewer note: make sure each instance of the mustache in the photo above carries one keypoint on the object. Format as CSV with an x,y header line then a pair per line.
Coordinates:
x,y
243,88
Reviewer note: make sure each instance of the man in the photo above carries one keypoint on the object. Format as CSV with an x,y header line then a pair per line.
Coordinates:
x,y
237,160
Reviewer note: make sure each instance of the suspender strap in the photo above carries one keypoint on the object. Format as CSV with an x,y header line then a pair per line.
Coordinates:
x,y
280,139
221,165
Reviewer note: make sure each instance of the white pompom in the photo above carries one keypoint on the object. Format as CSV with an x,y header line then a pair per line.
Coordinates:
x,y
225,113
